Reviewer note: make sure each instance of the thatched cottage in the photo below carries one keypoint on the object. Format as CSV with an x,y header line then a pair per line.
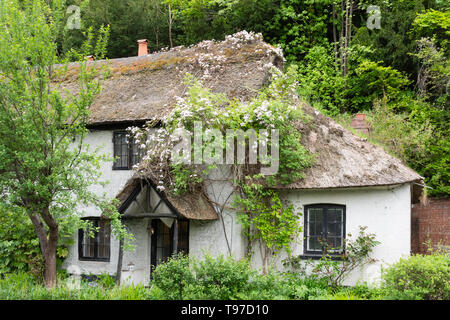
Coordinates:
x,y
352,182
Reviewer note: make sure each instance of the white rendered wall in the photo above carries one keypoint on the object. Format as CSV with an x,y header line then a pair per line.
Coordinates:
x,y
384,210
101,139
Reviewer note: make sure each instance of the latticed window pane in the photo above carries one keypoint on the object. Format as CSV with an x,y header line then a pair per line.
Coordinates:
x,y
325,224
335,219
314,229
104,239
136,154
97,247
121,153
88,246
126,152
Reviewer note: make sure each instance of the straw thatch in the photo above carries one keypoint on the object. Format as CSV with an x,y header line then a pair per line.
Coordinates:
x,y
343,159
145,87
193,206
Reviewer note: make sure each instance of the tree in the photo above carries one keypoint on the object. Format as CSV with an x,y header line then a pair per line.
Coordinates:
x,y
44,171
129,21
393,42
299,25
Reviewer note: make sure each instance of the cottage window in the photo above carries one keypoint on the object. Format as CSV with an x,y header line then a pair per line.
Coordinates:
x,y
126,152
95,248
324,228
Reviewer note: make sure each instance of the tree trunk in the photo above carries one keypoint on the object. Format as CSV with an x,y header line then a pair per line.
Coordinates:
x,y
50,268
50,259
48,245
170,27
348,33
345,49
341,38
335,45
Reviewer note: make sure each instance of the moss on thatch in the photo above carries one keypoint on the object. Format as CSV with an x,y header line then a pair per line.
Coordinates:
x,y
142,88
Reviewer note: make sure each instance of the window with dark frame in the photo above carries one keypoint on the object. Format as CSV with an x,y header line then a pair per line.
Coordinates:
x,y
97,248
324,229
126,152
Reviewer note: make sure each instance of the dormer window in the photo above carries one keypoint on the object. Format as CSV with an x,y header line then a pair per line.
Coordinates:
x,y
126,152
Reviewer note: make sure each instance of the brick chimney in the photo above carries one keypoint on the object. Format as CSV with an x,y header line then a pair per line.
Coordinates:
x,y
89,58
143,50
359,124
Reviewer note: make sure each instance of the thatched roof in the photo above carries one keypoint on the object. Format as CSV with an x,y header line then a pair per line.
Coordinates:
x,y
193,206
343,159
145,87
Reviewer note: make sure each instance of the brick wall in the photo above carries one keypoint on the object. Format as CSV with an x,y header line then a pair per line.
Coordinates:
x,y
430,221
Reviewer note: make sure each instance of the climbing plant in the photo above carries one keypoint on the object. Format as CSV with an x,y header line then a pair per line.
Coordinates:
x,y
215,123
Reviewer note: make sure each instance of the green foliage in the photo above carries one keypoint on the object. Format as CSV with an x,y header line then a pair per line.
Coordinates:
x,y
372,81
332,268
129,21
264,216
224,278
298,26
433,78
285,286
320,81
182,277
106,281
433,23
392,42
322,84
221,278
22,286
19,247
197,20
419,278
45,173
172,277
419,137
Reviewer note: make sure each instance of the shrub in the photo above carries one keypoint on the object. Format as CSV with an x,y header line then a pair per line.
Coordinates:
x,y
331,269
222,278
172,277
286,286
419,278
106,281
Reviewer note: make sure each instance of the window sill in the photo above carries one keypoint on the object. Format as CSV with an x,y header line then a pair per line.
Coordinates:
x,y
114,169
310,256
93,259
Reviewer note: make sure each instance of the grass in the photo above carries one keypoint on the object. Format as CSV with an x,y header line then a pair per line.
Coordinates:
x,y
22,286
